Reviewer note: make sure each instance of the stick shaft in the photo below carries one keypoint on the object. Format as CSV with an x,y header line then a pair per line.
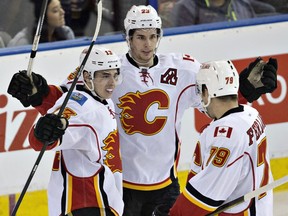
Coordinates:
x,y
29,179
265,188
36,40
35,44
37,37
32,56
78,72
250,195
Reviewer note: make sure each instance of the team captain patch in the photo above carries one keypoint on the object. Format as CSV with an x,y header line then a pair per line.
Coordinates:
x,y
78,97
223,131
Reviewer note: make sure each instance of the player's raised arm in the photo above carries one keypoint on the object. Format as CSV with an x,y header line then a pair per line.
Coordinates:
x,y
21,87
258,78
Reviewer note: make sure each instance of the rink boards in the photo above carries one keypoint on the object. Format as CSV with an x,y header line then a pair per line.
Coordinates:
x,y
241,42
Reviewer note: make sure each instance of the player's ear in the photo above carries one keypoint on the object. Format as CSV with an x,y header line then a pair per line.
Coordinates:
x,y
86,76
204,90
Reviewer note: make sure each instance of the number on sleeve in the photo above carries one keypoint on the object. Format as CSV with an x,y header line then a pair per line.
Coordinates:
x,y
262,151
219,155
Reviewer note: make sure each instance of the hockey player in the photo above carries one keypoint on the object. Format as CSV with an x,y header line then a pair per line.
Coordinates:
x,y
150,103
231,157
86,177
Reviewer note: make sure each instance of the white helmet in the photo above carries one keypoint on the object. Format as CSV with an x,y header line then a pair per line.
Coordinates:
x,y
142,16
100,59
220,77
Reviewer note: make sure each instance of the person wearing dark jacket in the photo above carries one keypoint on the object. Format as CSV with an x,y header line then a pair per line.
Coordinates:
x,y
191,12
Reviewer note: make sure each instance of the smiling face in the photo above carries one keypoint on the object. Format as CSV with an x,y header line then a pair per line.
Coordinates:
x,y
55,14
143,44
104,82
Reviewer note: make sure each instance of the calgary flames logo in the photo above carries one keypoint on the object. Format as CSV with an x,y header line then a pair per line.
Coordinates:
x,y
135,107
67,113
113,157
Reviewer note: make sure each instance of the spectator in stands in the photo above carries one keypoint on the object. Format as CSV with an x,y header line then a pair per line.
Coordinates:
x,y
77,14
190,12
4,39
262,8
120,9
13,17
281,6
164,9
54,28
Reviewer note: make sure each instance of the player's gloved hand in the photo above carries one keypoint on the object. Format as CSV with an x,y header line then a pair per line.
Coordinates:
x,y
50,128
21,87
258,78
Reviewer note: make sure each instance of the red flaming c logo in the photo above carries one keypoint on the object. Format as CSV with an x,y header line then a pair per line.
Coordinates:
x,y
134,112
113,156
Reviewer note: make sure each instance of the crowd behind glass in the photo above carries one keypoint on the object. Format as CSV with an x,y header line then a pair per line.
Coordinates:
x,y
18,17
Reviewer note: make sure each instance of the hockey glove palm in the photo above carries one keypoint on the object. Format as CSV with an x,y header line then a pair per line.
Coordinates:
x,y
50,128
21,87
258,78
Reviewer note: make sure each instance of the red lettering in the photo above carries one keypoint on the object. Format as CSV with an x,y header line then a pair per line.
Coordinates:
x,y
250,134
21,132
19,139
256,130
2,131
3,117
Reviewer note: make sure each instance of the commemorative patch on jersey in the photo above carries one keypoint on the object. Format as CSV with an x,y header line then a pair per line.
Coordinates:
x,y
78,97
223,131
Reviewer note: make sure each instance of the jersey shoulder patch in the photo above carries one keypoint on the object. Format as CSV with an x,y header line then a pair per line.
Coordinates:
x,y
223,131
78,97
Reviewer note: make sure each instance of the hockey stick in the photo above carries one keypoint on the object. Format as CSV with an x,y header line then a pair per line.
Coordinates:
x,y
78,73
32,56
36,42
250,195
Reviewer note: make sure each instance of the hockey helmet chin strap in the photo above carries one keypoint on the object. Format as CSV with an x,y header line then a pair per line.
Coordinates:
x,y
92,89
204,106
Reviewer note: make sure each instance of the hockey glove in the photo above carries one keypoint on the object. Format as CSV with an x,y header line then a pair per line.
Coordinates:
x,y
258,78
21,87
50,128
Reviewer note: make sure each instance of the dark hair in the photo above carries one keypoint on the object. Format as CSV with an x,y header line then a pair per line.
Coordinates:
x,y
228,98
223,98
132,31
38,6
204,88
58,34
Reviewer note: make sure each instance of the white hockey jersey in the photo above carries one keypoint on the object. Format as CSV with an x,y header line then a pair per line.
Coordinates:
x,y
150,104
230,160
87,169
